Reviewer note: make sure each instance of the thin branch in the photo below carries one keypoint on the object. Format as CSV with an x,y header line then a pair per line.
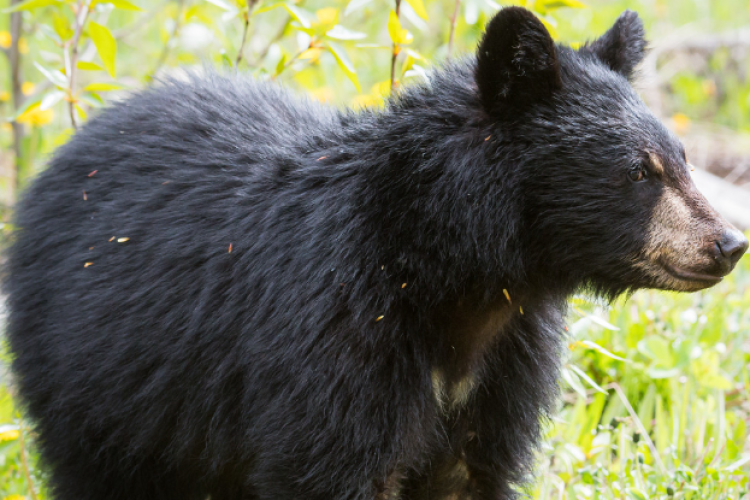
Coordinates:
x,y
82,13
278,36
14,56
454,19
25,463
396,50
244,38
165,51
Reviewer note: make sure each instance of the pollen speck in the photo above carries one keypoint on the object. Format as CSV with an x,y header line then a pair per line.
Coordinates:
x,y
230,248
87,264
85,198
122,240
507,295
403,286
111,239
93,173
379,318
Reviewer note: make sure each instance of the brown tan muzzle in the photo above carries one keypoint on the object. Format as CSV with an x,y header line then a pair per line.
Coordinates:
x,y
689,245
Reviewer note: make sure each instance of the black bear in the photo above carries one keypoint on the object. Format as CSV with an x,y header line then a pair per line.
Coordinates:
x,y
219,290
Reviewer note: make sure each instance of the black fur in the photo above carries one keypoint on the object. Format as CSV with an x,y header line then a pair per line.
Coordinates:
x,y
623,46
300,364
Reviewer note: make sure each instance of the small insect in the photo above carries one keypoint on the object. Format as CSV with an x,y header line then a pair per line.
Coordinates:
x,y
122,240
379,318
87,264
93,173
507,295
230,248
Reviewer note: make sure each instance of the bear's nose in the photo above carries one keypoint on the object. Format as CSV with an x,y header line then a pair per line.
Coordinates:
x,y
732,245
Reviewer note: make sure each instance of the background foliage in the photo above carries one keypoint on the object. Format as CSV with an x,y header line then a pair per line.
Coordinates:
x,y
656,390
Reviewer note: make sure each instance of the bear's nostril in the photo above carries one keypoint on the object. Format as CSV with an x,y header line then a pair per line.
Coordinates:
x,y
732,246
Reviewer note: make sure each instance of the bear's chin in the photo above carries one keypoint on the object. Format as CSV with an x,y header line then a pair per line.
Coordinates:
x,y
676,279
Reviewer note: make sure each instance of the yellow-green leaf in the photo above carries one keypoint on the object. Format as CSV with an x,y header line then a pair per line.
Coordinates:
x,y
102,87
556,4
81,112
344,63
105,44
302,16
61,26
418,7
118,4
31,4
88,66
397,33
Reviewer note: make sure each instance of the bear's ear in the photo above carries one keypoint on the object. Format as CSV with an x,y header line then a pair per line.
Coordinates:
x,y
623,46
516,61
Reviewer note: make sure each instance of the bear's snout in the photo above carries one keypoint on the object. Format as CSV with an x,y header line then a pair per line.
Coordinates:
x,y
729,248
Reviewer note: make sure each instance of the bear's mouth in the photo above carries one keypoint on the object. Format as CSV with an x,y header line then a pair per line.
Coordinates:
x,y
692,276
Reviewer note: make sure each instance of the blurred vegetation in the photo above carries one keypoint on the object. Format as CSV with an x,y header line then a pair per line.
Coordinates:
x,y
656,389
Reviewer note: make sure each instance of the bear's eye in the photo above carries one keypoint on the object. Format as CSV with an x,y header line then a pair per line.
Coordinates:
x,y
637,174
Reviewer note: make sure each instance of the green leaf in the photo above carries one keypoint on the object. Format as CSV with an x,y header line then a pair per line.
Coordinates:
x,y
281,65
340,33
51,99
739,463
397,33
88,66
572,379
30,103
344,63
105,44
32,4
355,5
102,87
118,4
597,347
418,7
81,112
588,379
556,4
55,77
61,26
302,16
224,5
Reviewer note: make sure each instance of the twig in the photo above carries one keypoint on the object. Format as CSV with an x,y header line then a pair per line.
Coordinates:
x,y
244,37
165,51
396,50
296,56
82,13
454,19
25,463
14,57
278,36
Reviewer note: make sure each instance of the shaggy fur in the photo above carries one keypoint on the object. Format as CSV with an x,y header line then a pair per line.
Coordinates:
x,y
220,289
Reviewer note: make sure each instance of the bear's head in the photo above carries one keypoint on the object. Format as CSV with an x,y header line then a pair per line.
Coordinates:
x,y
606,191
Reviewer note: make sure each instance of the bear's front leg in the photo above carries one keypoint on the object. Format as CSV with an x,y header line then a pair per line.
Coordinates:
x,y
518,392
486,445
